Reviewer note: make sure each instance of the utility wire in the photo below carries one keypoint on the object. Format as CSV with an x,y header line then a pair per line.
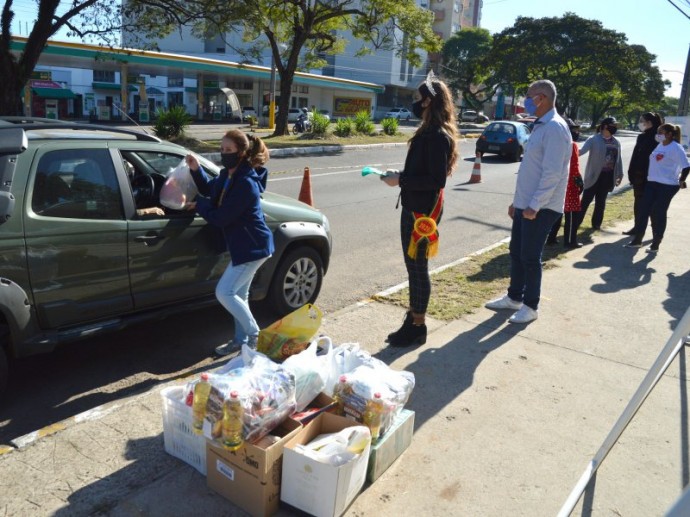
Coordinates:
x,y
682,12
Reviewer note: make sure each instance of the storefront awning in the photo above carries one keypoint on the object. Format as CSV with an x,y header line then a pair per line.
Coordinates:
x,y
207,91
112,86
151,90
53,93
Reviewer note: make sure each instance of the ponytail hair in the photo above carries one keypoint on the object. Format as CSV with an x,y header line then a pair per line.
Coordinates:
x,y
249,147
673,129
654,118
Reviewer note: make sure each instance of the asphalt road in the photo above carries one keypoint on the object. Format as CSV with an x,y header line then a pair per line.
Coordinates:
x,y
366,259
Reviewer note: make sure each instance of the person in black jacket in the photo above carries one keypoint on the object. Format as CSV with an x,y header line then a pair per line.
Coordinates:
x,y
639,162
430,160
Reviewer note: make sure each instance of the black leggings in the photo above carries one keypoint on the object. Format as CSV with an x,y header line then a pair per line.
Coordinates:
x,y
418,269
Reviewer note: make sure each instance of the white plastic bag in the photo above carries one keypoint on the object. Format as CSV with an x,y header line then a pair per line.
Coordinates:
x,y
339,448
310,376
179,189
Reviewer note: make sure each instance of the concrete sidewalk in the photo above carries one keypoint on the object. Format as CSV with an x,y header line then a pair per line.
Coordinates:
x,y
507,416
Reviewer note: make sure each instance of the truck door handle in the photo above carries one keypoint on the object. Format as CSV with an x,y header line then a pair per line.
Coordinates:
x,y
147,239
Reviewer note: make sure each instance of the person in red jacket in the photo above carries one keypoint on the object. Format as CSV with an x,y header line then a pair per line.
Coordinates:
x,y
572,197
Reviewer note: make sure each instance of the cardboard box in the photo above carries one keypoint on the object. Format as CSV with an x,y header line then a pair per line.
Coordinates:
x,y
391,445
317,488
250,477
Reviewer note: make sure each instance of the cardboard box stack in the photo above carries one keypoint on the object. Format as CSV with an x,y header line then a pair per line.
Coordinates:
x,y
275,462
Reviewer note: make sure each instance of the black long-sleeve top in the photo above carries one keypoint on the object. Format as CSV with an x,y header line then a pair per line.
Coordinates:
x,y
426,169
639,161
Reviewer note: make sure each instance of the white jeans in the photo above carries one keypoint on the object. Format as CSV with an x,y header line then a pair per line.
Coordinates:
x,y
232,292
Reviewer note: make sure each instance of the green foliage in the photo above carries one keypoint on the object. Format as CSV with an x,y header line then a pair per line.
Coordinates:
x,y
319,124
390,126
468,68
344,127
363,123
576,54
171,123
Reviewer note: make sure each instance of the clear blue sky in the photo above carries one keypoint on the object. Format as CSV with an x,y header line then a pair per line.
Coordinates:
x,y
656,24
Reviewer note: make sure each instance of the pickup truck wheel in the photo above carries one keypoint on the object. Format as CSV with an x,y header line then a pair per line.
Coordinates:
x,y
4,371
297,279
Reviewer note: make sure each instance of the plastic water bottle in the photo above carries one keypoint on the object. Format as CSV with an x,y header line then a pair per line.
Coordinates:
x,y
339,395
233,416
201,393
373,416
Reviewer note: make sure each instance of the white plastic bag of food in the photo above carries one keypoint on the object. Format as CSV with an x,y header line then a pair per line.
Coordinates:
x,y
179,189
310,376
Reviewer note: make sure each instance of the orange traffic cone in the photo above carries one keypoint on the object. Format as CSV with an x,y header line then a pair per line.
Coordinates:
x,y
476,169
305,192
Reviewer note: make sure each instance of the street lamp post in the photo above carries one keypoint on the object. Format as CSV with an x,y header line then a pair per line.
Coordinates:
x,y
272,95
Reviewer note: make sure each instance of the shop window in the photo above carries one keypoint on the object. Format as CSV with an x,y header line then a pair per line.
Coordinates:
x,y
104,76
175,82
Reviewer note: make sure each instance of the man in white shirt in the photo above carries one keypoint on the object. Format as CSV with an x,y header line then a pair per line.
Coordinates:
x,y
537,203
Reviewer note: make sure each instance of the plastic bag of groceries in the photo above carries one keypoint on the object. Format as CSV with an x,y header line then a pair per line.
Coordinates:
x,y
339,448
343,359
291,334
310,376
373,384
179,189
265,389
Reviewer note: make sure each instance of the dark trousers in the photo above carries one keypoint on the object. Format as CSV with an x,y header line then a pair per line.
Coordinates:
x,y
655,202
417,269
597,193
527,240
638,192
569,231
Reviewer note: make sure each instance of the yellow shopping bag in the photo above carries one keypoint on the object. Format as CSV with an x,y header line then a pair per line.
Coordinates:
x,y
290,334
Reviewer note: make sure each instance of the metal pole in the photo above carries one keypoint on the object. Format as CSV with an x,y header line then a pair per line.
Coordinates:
x,y
272,95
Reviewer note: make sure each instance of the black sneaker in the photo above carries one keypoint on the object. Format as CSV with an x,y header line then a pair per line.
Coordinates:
x,y
631,231
653,248
635,243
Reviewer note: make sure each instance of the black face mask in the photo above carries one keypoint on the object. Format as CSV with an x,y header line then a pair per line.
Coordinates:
x,y
612,129
417,109
229,160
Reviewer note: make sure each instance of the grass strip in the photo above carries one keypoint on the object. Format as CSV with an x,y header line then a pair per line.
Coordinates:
x,y
465,287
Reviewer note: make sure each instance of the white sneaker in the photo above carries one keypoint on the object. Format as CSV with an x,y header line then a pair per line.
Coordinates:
x,y
524,315
505,302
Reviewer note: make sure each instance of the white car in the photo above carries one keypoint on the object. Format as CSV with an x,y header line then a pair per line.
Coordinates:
x,y
399,113
468,116
294,113
326,114
247,112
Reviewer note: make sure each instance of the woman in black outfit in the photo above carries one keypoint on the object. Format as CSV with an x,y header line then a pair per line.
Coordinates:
x,y
430,160
639,162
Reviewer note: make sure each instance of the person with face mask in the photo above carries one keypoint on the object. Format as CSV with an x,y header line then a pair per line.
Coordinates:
x,y
232,203
604,170
639,161
668,172
537,203
431,158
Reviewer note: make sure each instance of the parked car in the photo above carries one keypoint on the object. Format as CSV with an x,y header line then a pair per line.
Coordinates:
x,y
399,113
468,116
505,138
76,259
294,113
247,112
326,114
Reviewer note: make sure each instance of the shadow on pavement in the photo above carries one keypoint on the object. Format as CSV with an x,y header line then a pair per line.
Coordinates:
x,y
442,374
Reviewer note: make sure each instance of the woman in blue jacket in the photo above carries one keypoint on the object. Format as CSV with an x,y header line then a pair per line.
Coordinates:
x,y
232,203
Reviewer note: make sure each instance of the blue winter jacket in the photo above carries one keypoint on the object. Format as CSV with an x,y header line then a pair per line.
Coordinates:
x,y
239,216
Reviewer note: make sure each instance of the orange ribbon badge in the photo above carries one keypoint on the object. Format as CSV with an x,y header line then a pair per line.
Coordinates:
x,y
426,228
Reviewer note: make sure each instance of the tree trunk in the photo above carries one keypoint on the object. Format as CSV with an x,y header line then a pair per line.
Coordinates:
x,y
11,103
